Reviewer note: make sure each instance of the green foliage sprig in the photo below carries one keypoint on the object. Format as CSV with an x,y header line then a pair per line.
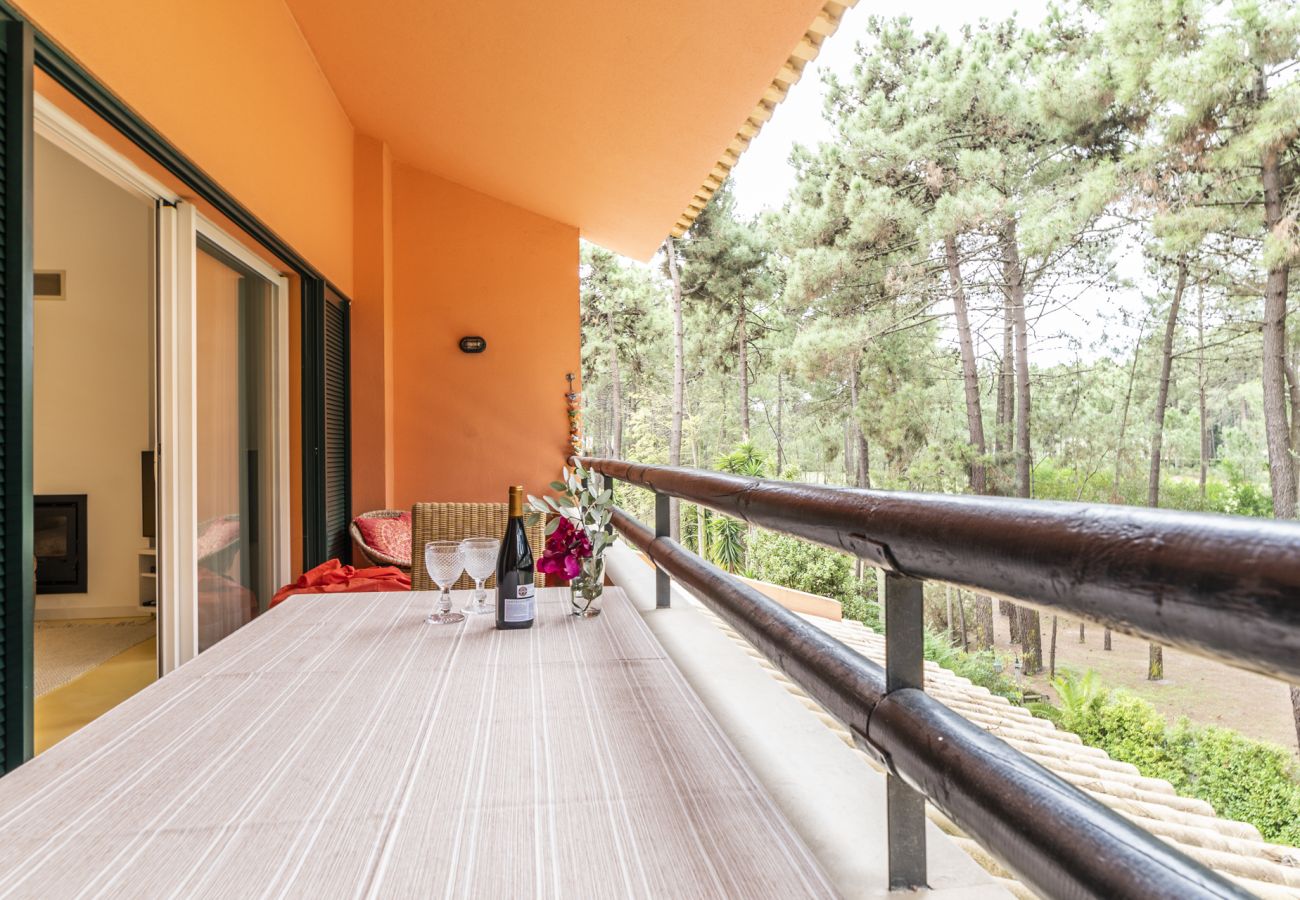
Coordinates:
x,y
582,498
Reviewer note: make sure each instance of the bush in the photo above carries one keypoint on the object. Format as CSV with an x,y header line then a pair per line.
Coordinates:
x,y
1241,778
798,564
984,667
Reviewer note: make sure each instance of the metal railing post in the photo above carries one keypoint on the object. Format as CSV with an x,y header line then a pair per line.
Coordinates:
x,y
663,528
904,668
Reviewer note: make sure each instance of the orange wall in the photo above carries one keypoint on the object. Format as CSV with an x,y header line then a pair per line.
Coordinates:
x,y
467,426
234,86
372,328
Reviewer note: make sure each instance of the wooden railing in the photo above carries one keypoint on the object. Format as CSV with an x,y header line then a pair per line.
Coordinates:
x,y
1222,586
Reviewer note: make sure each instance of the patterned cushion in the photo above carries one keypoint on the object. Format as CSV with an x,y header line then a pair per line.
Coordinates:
x,y
391,537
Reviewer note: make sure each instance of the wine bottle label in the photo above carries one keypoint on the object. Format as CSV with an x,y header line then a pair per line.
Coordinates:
x,y
522,607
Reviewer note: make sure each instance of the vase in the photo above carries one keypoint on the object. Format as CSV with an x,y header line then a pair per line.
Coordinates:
x,y
587,588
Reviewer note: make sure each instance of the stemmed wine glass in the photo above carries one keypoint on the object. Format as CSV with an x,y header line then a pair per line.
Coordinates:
x,y
444,562
480,555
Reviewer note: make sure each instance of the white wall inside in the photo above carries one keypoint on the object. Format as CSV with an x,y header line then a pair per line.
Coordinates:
x,y
93,370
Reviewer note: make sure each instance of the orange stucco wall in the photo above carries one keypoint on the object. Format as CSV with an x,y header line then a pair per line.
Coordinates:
x,y
467,426
372,328
236,87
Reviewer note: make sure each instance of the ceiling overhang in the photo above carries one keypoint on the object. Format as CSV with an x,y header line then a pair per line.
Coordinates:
x,y
619,118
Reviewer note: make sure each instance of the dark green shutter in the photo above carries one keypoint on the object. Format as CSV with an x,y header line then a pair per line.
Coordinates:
x,y
327,444
338,441
16,313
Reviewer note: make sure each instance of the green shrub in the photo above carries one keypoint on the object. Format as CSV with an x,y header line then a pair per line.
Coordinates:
x,y
797,564
1241,778
984,667
862,607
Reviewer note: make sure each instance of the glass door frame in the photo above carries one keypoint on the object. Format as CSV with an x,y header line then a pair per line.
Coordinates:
x,y
179,226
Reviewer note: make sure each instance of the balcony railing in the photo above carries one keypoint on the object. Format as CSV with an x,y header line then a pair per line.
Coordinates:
x,y
1221,586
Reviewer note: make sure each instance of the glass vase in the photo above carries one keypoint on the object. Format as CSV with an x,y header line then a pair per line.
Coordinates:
x,y
587,588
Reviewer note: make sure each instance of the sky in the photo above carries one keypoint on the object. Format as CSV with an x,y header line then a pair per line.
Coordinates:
x,y
763,177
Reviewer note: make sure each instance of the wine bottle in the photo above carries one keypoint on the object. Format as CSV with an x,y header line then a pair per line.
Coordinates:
x,y
516,595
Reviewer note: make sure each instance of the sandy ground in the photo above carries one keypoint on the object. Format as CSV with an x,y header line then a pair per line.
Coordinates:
x,y
1206,692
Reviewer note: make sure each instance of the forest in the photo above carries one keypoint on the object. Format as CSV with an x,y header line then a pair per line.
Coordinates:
x,y
1048,261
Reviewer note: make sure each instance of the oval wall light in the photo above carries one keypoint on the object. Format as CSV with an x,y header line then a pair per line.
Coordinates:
x,y
473,344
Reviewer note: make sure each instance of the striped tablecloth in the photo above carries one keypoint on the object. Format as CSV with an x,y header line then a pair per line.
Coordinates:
x,y
338,746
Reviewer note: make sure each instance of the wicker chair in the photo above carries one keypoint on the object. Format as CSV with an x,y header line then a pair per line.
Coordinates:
x,y
373,555
457,521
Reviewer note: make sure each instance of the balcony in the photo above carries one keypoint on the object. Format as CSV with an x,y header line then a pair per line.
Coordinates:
x,y
397,197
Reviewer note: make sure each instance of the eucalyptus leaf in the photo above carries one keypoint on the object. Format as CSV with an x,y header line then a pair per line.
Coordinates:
x,y
551,526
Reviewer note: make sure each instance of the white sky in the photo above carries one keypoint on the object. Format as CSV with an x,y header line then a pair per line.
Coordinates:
x,y
763,177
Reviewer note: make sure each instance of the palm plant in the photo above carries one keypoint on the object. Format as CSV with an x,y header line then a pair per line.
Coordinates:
x,y
727,537
1078,694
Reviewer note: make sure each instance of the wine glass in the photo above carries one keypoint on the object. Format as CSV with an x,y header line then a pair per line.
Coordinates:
x,y
444,562
480,554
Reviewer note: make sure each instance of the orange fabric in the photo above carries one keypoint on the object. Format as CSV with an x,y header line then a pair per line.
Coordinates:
x,y
335,578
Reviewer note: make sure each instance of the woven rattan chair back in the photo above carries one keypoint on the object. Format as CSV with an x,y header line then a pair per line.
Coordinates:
x,y
455,522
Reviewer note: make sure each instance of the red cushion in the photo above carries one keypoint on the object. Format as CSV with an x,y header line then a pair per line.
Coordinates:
x,y
391,537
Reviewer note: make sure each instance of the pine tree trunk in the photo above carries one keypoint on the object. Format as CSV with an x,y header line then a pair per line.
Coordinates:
x,y
969,366
1155,655
1031,641
679,383
1006,377
742,356
952,621
1295,709
850,467
1200,389
1051,664
983,622
701,519
1123,420
780,434
961,619
1293,391
1014,276
1280,463
1162,389
862,477
616,392
1030,629
1012,612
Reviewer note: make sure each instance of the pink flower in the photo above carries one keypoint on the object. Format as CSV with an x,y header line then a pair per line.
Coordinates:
x,y
566,547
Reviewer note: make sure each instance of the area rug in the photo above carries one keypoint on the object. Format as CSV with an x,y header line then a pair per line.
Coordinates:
x,y
67,650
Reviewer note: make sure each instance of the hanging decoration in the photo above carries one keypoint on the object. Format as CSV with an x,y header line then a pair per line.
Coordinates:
x,y
573,400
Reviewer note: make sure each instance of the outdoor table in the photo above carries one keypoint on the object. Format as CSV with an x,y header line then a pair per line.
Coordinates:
x,y
339,746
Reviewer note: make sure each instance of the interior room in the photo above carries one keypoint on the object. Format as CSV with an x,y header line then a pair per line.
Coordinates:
x,y
93,415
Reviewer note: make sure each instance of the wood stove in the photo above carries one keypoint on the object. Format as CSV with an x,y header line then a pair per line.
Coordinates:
x,y
59,532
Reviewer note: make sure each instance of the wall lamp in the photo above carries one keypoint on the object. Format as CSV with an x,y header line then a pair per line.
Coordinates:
x,y
473,344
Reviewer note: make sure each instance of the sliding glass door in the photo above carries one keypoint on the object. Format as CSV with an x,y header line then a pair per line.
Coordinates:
x,y
235,446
